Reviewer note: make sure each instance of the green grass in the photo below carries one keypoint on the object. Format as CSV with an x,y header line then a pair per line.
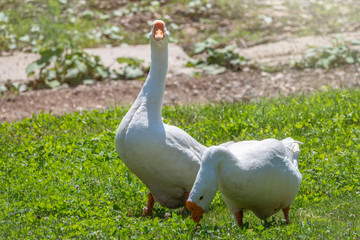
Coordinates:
x,y
61,177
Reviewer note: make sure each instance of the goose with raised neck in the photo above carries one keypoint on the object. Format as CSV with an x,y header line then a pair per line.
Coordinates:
x,y
261,176
165,158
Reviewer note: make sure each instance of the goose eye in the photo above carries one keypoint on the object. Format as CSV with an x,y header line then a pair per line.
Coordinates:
x,y
201,198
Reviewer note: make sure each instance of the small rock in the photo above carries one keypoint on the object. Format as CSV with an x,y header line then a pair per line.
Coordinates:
x,y
264,74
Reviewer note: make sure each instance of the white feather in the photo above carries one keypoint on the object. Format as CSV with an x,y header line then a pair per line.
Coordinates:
x,y
164,157
261,176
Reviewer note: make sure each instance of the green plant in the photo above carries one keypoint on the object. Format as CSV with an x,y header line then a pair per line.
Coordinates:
x,y
71,66
339,53
200,7
132,68
3,88
65,65
132,8
216,59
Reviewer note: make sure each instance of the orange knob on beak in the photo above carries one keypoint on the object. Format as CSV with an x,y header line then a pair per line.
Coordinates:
x,y
159,30
196,211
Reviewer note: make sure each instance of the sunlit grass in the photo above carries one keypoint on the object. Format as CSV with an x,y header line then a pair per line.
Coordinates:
x,y
62,178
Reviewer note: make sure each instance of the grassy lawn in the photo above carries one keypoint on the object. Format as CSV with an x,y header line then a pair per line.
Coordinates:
x,y
62,178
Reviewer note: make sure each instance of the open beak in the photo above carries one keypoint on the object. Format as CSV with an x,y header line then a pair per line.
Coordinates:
x,y
159,30
196,211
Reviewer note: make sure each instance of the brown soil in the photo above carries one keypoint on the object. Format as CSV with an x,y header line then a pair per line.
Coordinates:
x,y
230,87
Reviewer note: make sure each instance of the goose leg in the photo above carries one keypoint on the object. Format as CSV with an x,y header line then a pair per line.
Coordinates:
x,y
147,211
239,217
286,214
187,195
184,211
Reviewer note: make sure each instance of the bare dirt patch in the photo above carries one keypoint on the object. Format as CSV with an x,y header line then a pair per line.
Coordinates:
x,y
181,88
229,87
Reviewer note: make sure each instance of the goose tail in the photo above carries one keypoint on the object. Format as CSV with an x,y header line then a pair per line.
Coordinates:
x,y
293,147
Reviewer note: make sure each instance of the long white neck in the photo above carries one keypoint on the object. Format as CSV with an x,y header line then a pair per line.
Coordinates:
x,y
206,183
152,93
154,87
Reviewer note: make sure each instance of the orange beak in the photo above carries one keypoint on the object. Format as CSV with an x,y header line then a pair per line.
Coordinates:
x,y
196,211
159,30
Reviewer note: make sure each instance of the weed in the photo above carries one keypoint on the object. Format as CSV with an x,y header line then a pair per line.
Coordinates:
x,y
199,7
217,60
339,53
70,66
132,68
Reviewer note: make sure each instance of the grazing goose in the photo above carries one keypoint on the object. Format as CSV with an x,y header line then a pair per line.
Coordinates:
x,y
165,158
261,176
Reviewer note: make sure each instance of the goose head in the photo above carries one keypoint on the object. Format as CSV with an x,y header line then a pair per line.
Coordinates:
x,y
206,183
159,33
201,195
199,200
196,211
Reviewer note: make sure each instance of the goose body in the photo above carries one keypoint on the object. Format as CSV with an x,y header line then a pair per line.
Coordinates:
x,y
261,176
165,158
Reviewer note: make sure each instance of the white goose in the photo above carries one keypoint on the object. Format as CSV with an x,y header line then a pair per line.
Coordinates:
x,y
261,176
164,157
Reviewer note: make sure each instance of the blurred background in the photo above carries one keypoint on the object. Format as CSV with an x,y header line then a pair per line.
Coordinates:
x,y
30,25
221,50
